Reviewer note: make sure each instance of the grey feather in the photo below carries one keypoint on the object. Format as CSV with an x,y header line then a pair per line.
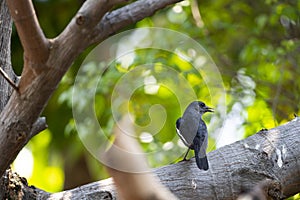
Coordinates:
x,y
190,122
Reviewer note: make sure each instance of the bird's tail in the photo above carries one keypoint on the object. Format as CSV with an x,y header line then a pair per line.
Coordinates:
x,y
200,154
202,163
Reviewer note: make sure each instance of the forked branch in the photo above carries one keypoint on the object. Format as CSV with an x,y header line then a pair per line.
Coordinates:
x,y
46,61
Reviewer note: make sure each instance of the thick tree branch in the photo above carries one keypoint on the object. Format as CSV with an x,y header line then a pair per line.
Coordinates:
x,y
84,22
31,35
41,74
269,160
92,11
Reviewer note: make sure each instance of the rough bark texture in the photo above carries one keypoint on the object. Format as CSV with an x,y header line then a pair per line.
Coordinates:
x,y
5,60
269,157
12,186
5,64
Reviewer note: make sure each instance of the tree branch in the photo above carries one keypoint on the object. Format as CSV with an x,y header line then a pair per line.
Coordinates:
x,y
31,35
45,64
84,22
268,160
118,19
92,12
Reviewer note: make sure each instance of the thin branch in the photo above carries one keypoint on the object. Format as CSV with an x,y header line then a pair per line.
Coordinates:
x,y
6,77
31,35
196,14
38,126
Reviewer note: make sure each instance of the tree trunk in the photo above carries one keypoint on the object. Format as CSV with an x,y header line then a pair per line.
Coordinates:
x,y
5,60
5,64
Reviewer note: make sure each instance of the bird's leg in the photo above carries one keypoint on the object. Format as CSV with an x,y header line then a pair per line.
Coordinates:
x,y
187,152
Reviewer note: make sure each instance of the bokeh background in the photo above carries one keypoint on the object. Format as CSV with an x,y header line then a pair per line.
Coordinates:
x,y
254,44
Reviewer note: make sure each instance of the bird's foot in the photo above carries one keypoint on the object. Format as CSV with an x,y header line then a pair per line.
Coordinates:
x,y
185,160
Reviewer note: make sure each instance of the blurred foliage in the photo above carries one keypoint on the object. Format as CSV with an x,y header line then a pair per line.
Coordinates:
x,y
255,45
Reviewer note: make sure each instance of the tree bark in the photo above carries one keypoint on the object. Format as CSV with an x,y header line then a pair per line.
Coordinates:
x,y
5,60
5,63
270,158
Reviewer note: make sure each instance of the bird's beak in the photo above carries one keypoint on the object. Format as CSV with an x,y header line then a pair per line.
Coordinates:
x,y
208,109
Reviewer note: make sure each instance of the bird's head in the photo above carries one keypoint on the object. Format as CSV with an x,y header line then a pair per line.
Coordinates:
x,y
202,108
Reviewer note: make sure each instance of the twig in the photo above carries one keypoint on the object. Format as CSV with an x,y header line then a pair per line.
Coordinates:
x,y
196,14
6,77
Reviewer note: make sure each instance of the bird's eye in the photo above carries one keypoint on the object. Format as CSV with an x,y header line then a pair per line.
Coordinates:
x,y
202,104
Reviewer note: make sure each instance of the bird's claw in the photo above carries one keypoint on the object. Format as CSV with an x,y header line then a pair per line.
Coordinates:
x,y
185,160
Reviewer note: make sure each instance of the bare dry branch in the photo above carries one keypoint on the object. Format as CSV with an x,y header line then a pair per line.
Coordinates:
x,y
196,14
133,178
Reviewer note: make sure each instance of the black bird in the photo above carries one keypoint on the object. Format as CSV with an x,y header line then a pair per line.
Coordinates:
x,y
193,131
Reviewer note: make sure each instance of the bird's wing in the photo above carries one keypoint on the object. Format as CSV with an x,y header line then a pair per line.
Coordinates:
x,y
202,139
178,124
189,126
